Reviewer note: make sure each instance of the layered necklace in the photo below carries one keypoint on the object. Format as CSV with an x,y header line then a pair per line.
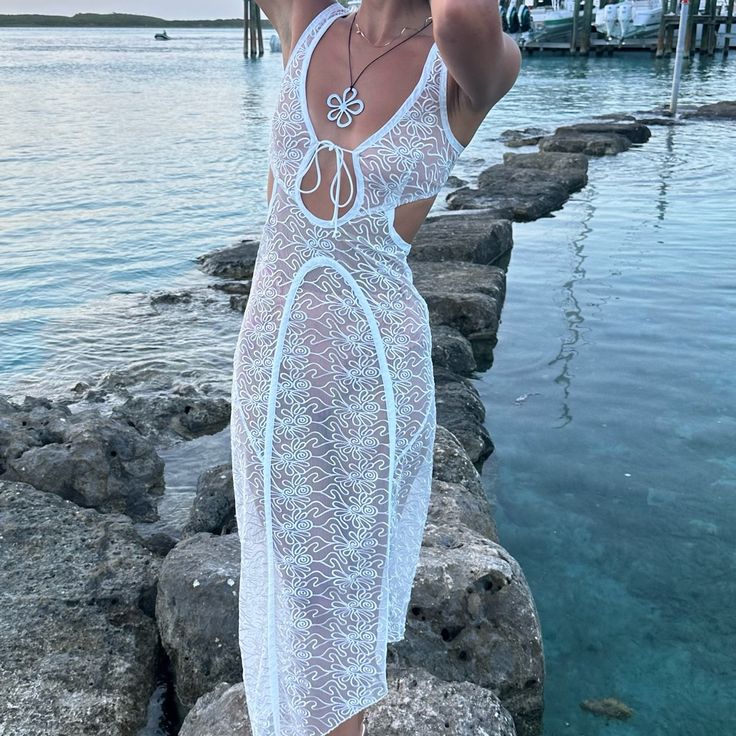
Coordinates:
x,y
343,108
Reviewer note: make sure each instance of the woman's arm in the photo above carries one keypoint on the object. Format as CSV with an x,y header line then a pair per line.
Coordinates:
x,y
290,17
483,60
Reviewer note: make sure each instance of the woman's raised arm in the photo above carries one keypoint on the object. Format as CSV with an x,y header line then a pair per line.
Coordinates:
x,y
483,60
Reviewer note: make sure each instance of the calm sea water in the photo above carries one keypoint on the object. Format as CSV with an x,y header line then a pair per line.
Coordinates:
x,y
611,400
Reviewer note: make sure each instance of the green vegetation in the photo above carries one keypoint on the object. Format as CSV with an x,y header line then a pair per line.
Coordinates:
x,y
119,20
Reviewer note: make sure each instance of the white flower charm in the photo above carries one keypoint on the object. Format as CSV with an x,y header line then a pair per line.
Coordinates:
x,y
342,109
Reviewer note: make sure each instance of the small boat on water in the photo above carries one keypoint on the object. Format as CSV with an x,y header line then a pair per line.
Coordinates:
x,y
162,36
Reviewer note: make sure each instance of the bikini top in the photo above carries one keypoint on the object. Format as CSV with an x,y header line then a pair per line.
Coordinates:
x,y
408,158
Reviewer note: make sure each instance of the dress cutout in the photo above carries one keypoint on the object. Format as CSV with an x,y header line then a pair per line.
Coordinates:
x,y
333,412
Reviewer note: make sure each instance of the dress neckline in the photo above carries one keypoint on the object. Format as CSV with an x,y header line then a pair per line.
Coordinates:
x,y
304,68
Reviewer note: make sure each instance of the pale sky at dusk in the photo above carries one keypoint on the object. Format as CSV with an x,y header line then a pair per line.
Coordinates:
x,y
171,9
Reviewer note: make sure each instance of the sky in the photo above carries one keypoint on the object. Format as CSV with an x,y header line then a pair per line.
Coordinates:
x,y
170,9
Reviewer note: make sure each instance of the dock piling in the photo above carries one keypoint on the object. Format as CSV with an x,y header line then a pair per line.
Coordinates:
x,y
252,30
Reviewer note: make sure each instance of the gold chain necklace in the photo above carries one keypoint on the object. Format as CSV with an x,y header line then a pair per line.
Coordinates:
x,y
357,30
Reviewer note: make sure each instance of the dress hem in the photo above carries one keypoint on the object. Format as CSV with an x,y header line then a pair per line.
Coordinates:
x,y
355,712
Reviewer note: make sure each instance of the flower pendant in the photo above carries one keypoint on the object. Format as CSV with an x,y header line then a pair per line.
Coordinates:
x,y
342,109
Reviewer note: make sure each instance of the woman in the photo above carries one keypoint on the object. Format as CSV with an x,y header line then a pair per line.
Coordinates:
x,y
333,414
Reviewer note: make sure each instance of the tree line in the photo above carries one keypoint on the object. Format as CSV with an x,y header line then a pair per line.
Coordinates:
x,y
118,20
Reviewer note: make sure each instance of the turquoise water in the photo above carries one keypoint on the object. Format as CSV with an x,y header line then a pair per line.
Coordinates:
x,y
611,399
611,402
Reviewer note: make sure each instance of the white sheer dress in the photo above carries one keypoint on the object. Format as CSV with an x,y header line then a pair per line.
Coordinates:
x,y
333,413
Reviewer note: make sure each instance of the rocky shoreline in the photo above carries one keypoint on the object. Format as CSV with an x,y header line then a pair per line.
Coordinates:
x,y
106,630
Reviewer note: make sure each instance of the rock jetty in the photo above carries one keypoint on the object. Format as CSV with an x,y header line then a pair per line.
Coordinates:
x,y
95,618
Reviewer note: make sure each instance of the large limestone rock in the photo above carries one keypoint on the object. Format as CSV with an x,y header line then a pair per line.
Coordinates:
x,y
417,704
571,168
590,144
197,613
472,617
634,132
513,193
95,461
466,296
595,139
474,237
78,642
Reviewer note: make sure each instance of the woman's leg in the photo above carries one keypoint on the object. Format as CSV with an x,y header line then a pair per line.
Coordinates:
x,y
352,727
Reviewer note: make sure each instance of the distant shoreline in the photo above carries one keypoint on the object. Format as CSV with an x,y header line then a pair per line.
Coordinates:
x,y
117,20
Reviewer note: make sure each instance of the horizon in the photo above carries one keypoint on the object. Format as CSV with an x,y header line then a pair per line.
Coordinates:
x,y
166,9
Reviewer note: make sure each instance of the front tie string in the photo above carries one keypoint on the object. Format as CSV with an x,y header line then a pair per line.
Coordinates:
x,y
340,164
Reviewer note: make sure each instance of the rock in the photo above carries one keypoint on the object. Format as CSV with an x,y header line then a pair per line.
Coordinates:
x,y
472,618
160,543
450,462
513,193
454,506
618,116
420,703
92,460
591,144
213,509
186,412
525,137
667,122
474,237
608,707
451,350
466,296
34,423
460,410
725,109
454,181
189,299
238,302
78,643
197,613
241,288
221,711
458,498
571,168
634,132
233,262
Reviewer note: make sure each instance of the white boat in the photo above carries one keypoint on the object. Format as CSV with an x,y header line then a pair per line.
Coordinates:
x,y
606,20
551,22
638,18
